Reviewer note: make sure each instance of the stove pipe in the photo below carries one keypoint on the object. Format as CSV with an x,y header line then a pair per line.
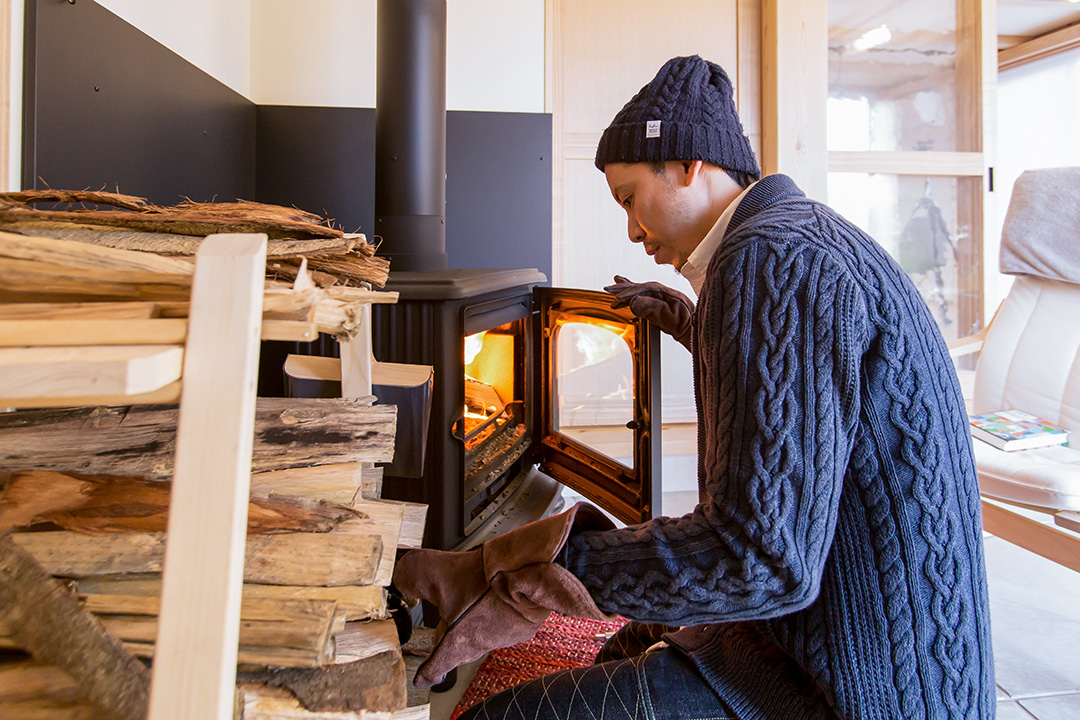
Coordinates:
x,y
410,133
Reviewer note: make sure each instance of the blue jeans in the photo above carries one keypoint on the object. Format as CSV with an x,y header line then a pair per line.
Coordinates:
x,y
660,684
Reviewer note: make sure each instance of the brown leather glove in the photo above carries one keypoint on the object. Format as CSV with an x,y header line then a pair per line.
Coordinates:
x,y
499,594
668,309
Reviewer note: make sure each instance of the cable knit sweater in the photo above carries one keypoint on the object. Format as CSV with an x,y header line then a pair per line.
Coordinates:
x,y
834,564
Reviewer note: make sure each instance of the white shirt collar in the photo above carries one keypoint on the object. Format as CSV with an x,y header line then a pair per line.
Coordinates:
x,y
695,266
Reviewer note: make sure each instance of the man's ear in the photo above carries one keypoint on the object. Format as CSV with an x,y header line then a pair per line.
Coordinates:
x,y
691,171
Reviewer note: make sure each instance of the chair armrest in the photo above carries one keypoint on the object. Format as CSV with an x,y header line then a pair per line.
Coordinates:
x,y
967,345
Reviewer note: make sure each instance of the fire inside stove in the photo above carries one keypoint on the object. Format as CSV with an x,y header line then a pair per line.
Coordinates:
x,y
494,428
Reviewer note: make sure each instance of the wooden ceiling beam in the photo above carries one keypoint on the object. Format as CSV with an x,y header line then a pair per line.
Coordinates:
x,y
1044,46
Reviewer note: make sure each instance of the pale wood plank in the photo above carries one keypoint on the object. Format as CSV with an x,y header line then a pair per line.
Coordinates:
x,y
168,394
161,331
290,330
1053,543
69,311
194,673
63,372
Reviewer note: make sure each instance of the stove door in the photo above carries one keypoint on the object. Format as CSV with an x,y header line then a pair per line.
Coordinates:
x,y
599,404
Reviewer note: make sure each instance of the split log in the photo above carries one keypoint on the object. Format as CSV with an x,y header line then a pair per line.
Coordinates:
x,y
140,440
286,633
32,281
289,633
35,680
77,255
338,482
376,683
383,520
48,710
266,703
357,602
374,270
47,621
364,639
99,504
287,559
61,372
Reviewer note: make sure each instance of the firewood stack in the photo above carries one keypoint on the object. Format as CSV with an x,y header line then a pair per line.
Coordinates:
x,y
93,321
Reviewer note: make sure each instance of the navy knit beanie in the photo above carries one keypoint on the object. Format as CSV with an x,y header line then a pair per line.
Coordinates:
x,y
687,112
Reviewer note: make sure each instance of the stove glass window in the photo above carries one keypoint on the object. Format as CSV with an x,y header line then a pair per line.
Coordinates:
x,y
594,388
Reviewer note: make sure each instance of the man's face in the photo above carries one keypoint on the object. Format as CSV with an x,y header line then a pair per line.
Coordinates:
x,y
661,209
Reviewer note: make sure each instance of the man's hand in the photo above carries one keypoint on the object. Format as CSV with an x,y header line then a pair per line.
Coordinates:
x,y
500,593
668,309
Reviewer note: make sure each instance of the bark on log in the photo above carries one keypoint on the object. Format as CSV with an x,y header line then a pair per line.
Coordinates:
x,y
171,243
183,219
46,620
376,683
99,504
140,440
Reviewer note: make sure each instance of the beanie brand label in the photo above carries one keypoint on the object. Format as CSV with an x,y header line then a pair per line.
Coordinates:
x,y
652,129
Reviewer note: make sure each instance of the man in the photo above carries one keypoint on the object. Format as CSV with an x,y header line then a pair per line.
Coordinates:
x,y
833,567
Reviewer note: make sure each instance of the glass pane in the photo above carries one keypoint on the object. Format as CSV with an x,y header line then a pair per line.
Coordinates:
x,y
917,221
892,75
594,389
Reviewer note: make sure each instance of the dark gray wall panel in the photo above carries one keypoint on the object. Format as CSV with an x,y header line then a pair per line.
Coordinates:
x,y
106,106
318,159
498,190
498,186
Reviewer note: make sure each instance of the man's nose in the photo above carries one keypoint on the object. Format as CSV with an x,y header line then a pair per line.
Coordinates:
x,y
634,230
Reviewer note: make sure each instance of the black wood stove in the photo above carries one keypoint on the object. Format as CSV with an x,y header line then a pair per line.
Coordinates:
x,y
517,367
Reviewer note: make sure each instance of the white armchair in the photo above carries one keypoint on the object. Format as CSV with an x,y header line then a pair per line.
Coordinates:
x,y
1030,360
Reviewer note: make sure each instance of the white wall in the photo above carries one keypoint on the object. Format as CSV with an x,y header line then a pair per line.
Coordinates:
x,y
213,35
322,53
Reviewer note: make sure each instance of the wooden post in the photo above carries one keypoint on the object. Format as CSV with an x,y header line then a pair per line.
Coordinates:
x,y
194,674
356,358
794,90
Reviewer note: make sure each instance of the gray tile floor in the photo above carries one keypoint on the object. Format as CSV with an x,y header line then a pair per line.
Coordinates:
x,y
1035,617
